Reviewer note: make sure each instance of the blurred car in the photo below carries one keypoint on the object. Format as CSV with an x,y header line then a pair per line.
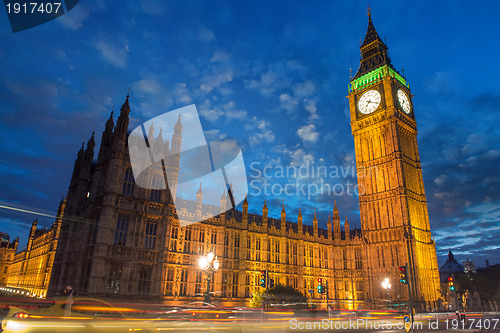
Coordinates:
x,y
78,314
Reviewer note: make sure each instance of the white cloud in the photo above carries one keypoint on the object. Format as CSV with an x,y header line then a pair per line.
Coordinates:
x,y
261,132
310,106
258,138
181,93
305,89
149,86
300,157
208,112
220,55
308,133
114,54
153,7
288,102
269,82
231,112
215,79
205,35
74,18
215,134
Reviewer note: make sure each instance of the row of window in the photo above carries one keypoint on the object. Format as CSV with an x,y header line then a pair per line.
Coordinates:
x,y
151,229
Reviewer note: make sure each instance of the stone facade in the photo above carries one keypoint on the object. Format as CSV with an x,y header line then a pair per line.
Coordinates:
x,y
7,252
32,267
120,240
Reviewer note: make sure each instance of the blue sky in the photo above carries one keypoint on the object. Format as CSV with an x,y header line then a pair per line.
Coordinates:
x,y
269,76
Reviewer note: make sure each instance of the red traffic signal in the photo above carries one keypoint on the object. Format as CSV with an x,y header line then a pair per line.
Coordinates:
x,y
403,274
451,283
319,280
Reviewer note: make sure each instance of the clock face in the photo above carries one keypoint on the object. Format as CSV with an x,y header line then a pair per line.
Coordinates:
x,y
369,101
404,101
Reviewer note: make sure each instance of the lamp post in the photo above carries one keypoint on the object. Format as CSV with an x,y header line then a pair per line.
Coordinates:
x,y
387,286
210,265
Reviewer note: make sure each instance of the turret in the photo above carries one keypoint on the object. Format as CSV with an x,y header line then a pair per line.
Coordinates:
x,y
245,211
177,137
329,227
315,225
336,222
283,218
123,120
89,153
199,203
223,203
60,209
346,229
264,213
106,140
151,134
299,221
31,235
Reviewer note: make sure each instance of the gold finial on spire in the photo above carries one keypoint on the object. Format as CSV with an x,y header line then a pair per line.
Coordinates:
x,y
369,11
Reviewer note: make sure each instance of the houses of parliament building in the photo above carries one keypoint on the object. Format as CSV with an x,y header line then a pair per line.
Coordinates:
x,y
114,238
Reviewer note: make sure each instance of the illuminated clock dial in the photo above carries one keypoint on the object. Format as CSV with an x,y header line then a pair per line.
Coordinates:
x,y
369,101
404,101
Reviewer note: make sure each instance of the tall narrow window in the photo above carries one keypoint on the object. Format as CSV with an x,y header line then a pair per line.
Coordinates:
x,y
145,280
183,286
128,183
121,230
150,234
155,195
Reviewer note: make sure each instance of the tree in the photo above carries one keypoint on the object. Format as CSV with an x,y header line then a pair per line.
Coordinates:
x,y
288,295
257,300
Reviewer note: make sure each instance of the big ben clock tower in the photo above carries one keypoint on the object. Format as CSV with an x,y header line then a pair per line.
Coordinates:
x,y
393,207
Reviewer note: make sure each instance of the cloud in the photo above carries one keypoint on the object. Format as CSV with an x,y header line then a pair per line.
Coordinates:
x,y
153,7
205,35
215,135
149,86
310,106
288,102
208,112
181,94
215,79
113,53
74,19
269,82
260,131
308,133
304,89
220,55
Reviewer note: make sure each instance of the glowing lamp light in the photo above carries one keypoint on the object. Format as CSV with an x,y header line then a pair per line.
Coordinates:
x,y
386,284
203,263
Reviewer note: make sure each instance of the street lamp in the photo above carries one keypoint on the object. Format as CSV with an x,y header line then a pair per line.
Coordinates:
x,y
387,286
210,265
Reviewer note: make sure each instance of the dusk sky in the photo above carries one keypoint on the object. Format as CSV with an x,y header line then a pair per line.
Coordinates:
x,y
271,76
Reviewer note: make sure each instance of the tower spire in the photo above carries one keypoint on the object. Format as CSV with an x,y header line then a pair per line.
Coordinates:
x,y
373,50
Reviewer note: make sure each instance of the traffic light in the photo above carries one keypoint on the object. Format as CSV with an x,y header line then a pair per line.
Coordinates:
x,y
403,274
271,283
263,278
320,286
451,283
